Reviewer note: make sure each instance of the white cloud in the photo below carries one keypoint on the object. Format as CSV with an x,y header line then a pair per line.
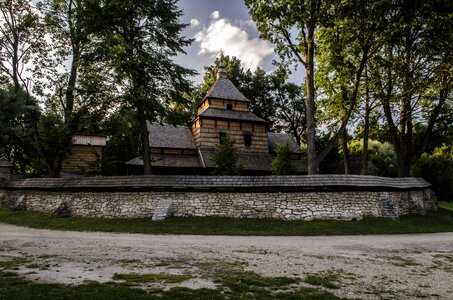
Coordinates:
x,y
222,35
194,23
215,15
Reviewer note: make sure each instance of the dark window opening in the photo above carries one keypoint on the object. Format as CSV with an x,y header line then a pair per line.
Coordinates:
x,y
229,106
222,136
247,140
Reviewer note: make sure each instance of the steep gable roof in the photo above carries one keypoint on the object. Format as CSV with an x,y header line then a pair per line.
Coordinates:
x,y
168,136
223,88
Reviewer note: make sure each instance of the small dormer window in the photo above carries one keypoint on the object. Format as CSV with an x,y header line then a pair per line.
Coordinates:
x,y
247,140
229,106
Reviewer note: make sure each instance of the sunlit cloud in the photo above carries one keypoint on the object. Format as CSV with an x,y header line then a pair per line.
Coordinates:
x,y
215,15
194,23
222,35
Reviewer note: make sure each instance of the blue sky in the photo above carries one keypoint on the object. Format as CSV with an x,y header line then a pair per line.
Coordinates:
x,y
222,25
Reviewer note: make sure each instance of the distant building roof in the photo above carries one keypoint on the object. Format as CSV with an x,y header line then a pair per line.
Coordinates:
x,y
89,140
278,138
231,115
5,163
163,160
168,136
223,88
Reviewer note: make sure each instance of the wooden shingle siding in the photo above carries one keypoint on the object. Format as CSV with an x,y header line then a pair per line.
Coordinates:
x,y
210,138
222,104
87,140
82,159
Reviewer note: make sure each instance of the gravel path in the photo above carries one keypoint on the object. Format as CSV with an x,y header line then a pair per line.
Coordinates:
x,y
368,267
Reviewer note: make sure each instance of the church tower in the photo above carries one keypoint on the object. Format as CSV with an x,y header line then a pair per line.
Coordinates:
x,y
226,111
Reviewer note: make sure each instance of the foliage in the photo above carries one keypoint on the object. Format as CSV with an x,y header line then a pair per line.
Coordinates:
x,y
411,74
12,107
437,168
382,155
226,159
56,140
21,40
123,142
138,40
281,163
291,26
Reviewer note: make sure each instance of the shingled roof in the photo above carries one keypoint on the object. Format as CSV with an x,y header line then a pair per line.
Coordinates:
x,y
279,138
5,164
168,136
232,115
205,183
163,160
223,88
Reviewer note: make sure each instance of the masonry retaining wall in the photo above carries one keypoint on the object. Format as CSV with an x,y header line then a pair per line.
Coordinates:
x,y
286,197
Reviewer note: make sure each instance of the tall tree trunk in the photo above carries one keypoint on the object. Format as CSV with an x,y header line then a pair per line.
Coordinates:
x,y
366,129
70,89
313,165
344,144
144,135
403,164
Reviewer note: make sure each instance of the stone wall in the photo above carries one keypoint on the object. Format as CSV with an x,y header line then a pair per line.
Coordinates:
x,y
298,205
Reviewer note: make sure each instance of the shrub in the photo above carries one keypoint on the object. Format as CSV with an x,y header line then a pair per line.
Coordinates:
x,y
382,155
226,159
437,168
281,164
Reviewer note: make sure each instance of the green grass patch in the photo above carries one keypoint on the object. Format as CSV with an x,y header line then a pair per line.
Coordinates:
x,y
446,205
328,280
148,278
245,280
13,263
435,221
403,262
15,287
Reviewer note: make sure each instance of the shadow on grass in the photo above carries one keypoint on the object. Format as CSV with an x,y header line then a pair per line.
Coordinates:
x,y
15,287
435,221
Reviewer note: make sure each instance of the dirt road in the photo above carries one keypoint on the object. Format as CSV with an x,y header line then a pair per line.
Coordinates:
x,y
368,267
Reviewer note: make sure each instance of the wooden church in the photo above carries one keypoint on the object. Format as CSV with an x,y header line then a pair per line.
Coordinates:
x,y
223,111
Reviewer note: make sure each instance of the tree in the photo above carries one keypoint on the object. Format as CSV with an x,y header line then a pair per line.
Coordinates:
x,y
281,163
12,107
138,40
289,107
21,38
291,25
437,168
413,76
226,159
342,59
71,89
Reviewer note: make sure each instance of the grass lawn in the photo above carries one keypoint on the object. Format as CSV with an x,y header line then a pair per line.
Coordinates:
x,y
435,221
244,285
446,205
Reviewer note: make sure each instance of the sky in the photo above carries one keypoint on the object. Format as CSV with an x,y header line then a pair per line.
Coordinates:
x,y
222,25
